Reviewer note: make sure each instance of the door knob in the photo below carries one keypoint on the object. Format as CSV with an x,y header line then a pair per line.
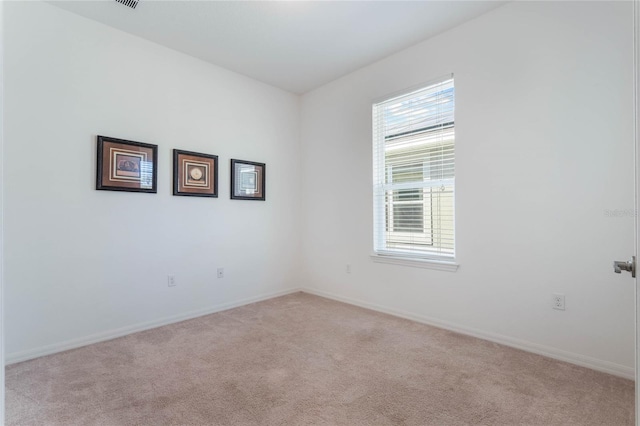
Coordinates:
x,y
620,265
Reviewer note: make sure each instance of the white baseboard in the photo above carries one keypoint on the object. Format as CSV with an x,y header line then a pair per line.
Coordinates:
x,y
12,358
573,358
559,354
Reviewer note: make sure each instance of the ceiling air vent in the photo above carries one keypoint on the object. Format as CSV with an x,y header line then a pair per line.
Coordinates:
x,y
130,3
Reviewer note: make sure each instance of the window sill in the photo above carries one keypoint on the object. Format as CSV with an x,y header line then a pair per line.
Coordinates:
x,y
440,265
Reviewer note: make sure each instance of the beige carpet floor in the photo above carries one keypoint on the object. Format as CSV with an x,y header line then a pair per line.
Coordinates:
x,y
305,360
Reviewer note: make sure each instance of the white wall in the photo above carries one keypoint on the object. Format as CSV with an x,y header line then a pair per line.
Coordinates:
x,y
636,26
1,212
544,145
84,264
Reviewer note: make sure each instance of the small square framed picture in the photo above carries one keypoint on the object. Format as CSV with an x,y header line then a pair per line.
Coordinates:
x,y
195,174
126,166
247,180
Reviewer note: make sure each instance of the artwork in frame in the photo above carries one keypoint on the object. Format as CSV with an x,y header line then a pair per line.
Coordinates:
x,y
195,174
247,180
125,165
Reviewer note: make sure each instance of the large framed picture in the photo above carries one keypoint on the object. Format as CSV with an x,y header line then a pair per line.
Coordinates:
x,y
126,166
195,174
247,180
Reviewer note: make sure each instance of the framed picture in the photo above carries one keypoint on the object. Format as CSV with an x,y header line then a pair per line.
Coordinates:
x,y
126,166
195,174
247,180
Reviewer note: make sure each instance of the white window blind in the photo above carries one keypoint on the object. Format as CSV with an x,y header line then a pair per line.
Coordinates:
x,y
414,173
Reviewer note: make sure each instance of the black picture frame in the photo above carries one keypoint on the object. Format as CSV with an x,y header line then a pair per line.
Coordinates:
x,y
195,174
124,165
248,180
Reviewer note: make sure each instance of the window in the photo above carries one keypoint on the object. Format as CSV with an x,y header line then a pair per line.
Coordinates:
x,y
414,175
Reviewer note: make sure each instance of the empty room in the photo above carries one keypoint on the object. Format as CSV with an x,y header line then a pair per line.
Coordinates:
x,y
319,212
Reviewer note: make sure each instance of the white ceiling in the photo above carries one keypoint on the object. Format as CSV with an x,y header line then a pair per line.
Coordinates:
x,y
294,45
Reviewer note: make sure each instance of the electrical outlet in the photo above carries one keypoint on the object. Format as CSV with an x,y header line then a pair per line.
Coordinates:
x,y
348,268
171,280
558,301
220,272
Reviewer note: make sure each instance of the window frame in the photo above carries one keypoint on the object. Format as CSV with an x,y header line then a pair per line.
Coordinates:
x,y
381,208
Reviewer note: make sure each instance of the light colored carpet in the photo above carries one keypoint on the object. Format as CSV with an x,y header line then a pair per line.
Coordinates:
x,y
305,360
